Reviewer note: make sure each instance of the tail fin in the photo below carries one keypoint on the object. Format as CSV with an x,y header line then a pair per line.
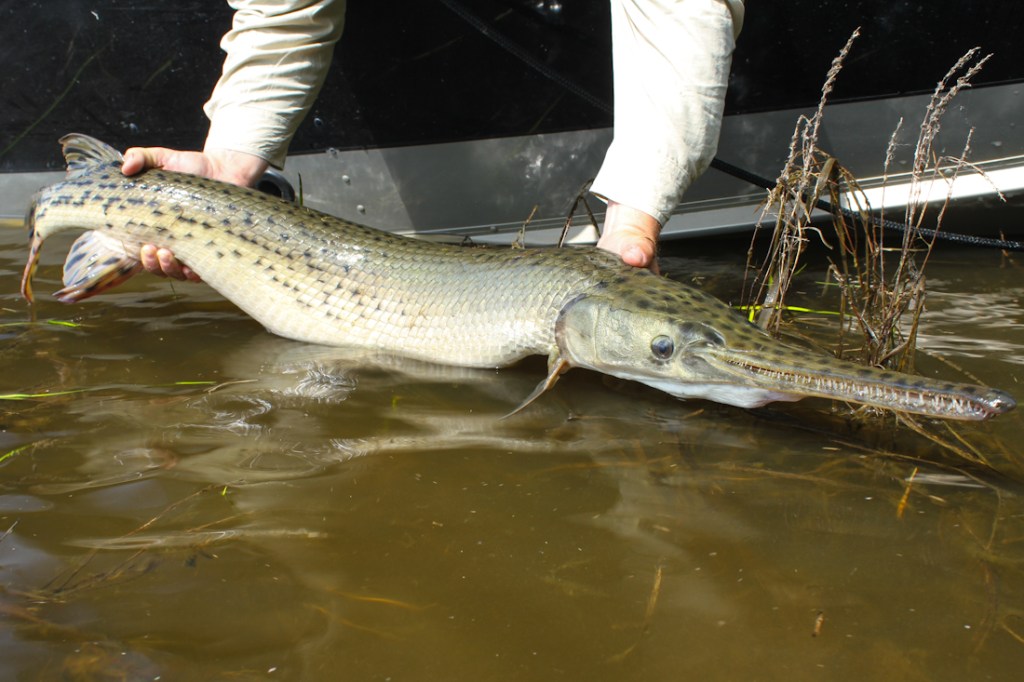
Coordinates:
x,y
34,244
96,264
82,152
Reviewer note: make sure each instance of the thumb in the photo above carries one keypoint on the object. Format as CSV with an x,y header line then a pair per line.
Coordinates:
x,y
138,159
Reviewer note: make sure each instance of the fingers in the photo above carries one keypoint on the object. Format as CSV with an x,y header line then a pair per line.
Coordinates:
x,y
162,262
634,248
138,159
238,168
134,162
632,235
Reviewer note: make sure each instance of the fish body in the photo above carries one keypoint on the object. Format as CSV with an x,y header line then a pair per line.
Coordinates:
x,y
312,277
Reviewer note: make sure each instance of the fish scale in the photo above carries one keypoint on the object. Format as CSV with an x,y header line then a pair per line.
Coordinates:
x,y
312,277
323,280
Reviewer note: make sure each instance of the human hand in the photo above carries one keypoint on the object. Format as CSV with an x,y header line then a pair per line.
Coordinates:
x,y
220,164
225,165
632,235
161,261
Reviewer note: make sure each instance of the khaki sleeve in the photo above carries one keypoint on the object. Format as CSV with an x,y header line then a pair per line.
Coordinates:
x,y
278,54
671,67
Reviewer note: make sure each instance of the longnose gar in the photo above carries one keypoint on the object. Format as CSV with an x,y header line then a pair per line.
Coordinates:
x,y
313,277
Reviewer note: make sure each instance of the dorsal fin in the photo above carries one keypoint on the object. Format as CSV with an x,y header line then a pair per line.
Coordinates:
x,y
82,152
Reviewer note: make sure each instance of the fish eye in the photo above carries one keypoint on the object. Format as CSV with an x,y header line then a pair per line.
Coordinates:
x,y
662,347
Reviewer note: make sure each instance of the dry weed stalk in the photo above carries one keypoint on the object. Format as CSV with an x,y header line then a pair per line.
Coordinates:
x,y
887,304
883,303
882,287
806,175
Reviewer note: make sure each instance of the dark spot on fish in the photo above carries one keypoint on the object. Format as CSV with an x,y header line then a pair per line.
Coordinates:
x,y
77,256
713,338
688,328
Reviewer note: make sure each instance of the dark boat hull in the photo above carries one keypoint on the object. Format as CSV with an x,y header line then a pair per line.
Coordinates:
x,y
428,126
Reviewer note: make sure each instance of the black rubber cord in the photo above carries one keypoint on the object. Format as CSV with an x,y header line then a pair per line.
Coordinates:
x,y
893,225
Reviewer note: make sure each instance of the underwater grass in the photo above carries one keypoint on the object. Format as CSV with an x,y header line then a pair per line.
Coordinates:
x,y
88,389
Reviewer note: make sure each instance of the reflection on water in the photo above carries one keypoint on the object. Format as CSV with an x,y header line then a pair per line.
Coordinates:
x,y
196,499
997,312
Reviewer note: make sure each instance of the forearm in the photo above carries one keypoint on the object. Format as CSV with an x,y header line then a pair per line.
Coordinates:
x,y
671,67
278,54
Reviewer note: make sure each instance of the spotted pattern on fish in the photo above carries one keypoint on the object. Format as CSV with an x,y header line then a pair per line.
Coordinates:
x,y
312,277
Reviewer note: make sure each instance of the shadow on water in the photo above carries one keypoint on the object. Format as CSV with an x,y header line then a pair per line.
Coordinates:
x,y
195,499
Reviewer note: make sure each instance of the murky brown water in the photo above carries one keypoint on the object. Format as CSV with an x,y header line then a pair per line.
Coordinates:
x,y
300,514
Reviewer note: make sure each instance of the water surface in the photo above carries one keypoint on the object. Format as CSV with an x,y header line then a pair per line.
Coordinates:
x,y
193,498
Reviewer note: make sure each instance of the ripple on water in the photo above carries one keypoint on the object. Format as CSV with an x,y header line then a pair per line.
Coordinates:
x,y
975,325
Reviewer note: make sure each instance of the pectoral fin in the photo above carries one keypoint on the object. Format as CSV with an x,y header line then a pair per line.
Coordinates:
x,y
556,368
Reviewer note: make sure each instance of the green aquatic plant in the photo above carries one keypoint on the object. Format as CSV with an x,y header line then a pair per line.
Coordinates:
x,y
72,391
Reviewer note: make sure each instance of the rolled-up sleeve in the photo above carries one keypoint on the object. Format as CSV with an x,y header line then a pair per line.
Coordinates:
x,y
278,54
671,68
